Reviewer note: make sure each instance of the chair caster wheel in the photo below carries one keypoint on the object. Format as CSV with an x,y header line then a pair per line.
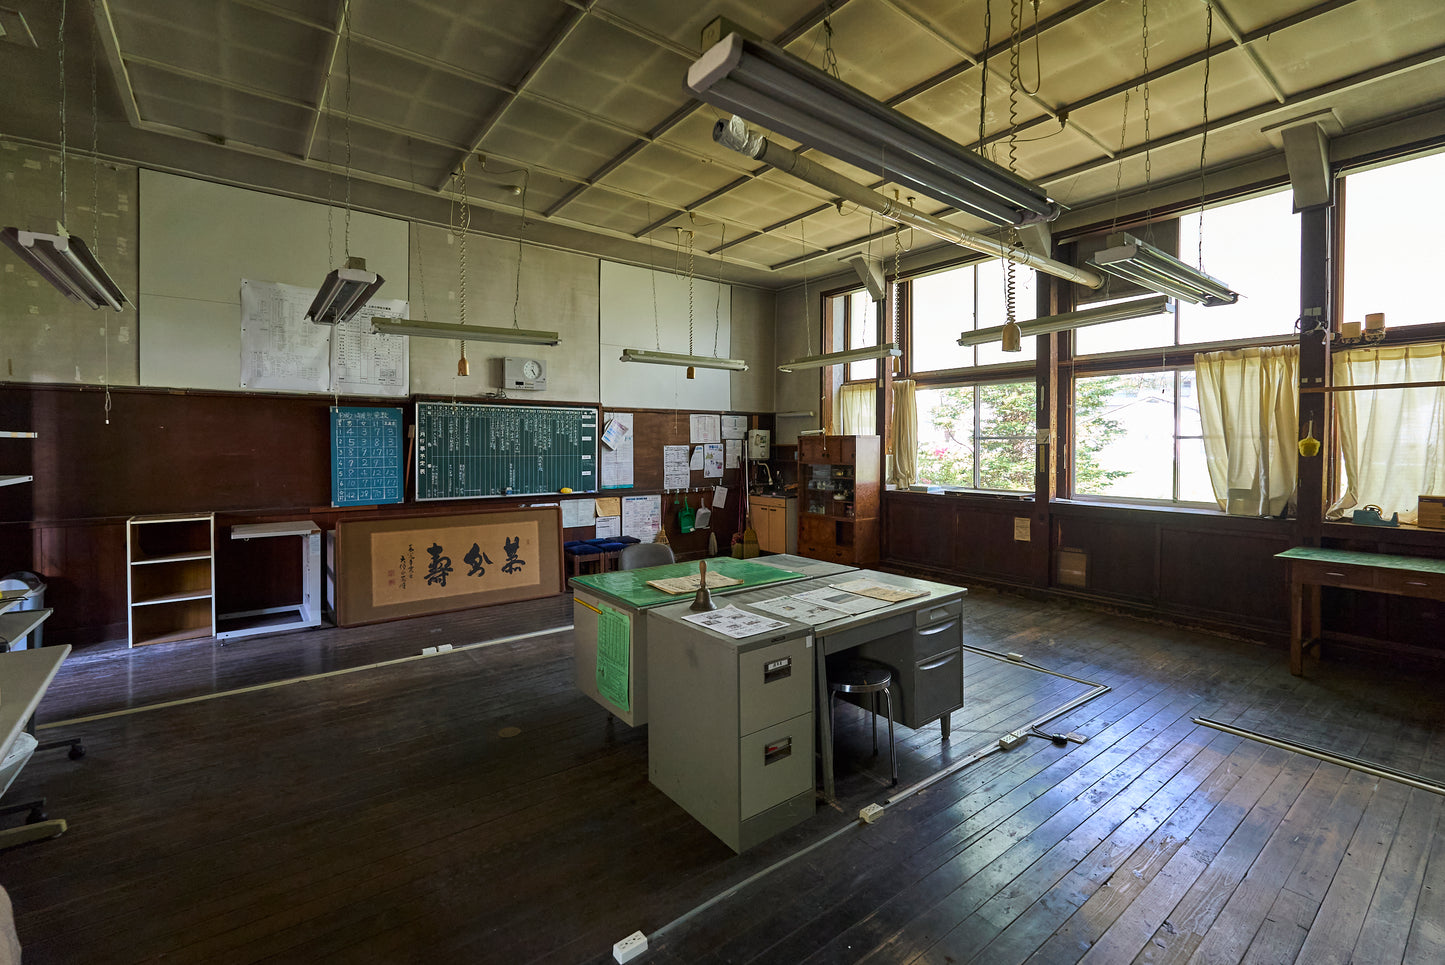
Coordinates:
x,y
35,816
77,751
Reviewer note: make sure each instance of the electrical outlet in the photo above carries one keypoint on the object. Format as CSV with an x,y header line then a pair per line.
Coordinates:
x,y
1011,740
630,947
1075,736
871,813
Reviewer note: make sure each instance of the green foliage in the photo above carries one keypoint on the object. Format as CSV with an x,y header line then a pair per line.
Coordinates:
x,y
1005,448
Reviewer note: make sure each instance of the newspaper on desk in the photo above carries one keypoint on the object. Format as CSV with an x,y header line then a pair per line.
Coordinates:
x,y
734,622
850,603
803,611
879,591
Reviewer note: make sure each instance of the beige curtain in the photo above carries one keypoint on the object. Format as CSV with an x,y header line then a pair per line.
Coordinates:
x,y
1249,410
905,433
1392,440
858,409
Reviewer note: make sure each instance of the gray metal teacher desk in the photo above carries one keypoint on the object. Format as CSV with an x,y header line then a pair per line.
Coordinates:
x,y
731,735
614,605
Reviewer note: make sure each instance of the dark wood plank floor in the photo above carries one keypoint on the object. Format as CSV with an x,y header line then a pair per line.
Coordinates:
x,y
391,814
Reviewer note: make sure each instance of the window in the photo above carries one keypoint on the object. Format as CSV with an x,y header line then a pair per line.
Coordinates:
x,y
1137,436
853,318
1253,247
977,436
1389,255
946,303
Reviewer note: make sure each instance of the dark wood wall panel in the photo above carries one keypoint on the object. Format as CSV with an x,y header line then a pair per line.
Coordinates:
x,y
246,457
1122,555
1225,576
983,538
919,532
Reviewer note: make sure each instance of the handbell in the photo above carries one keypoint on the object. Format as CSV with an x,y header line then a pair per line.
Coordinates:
x,y
703,600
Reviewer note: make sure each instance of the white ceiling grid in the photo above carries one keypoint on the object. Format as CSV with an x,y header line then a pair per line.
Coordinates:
x,y
588,96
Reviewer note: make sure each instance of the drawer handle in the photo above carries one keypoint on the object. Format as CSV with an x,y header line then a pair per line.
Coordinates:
x,y
777,751
1340,575
938,663
1416,583
775,670
938,629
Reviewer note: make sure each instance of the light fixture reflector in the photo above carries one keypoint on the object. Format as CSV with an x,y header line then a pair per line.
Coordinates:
x,y
768,86
1118,312
344,293
1133,260
887,350
65,261
689,361
466,333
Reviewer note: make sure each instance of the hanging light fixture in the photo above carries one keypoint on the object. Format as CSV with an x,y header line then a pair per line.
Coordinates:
x,y
467,333
885,351
63,259
347,289
689,361
1135,308
771,87
1141,263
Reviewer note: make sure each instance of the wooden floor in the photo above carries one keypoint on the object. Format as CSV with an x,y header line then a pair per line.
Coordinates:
x,y
474,808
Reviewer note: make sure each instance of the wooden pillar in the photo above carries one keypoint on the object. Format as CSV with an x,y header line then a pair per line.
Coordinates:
x,y
1316,322
1048,437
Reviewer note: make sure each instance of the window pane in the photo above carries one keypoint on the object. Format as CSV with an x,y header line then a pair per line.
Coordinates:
x,y
945,436
1156,331
1194,484
992,310
942,307
1189,421
1253,247
1007,438
1389,263
1124,436
862,332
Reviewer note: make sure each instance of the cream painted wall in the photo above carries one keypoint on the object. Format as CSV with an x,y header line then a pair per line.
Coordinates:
x,y
558,292
44,336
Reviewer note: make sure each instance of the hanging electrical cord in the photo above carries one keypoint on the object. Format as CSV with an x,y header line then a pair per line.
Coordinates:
x,y
652,274
830,59
1119,170
346,26
690,351
60,48
517,283
983,78
95,202
420,267
464,223
717,304
898,288
1148,163
1204,137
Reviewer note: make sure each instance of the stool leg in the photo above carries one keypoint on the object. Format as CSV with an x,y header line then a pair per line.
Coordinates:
x,y
875,723
892,751
829,749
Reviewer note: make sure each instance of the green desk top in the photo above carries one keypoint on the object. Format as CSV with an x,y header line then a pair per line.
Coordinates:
x,y
1317,554
630,586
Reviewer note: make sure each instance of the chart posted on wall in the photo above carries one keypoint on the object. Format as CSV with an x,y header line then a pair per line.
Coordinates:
x,y
468,450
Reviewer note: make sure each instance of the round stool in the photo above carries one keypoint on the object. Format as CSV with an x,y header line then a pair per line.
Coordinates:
x,y
865,677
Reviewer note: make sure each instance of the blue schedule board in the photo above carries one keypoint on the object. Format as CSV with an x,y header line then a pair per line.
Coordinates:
x,y
366,456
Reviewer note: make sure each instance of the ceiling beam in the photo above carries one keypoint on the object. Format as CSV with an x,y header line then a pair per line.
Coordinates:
x,y
323,83
810,20
1250,53
554,43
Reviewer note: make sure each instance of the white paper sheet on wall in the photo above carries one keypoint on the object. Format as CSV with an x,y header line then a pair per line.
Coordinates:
x,y
734,426
676,473
578,512
704,428
712,460
642,517
615,471
734,457
283,351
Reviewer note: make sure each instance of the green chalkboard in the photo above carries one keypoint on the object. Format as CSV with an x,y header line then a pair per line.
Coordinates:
x,y
466,450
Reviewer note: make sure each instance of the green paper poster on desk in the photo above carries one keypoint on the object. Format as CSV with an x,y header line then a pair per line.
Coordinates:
x,y
613,643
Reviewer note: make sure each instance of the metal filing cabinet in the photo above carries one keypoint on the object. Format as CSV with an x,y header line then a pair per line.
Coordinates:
x,y
730,735
926,654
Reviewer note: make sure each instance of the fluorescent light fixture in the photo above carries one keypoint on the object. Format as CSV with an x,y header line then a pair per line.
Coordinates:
x,y
690,361
771,87
344,293
1135,308
1133,260
67,264
466,333
888,350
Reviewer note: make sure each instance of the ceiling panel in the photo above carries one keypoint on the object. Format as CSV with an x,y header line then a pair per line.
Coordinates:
x,y
1351,40
498,39
606,70
399,92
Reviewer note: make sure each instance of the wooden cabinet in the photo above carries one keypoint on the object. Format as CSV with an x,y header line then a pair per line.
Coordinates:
x,y
170,578
775,519
839,478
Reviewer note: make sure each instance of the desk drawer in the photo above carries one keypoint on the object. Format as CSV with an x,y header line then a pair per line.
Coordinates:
x,y
774,683
774,764
1406,583
1335,574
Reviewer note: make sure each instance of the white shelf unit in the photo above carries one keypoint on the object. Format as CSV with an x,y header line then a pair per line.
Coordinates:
x,y
170,578
304,613
14,480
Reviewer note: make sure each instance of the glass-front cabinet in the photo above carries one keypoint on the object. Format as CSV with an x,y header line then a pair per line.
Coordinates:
x,y
838,518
